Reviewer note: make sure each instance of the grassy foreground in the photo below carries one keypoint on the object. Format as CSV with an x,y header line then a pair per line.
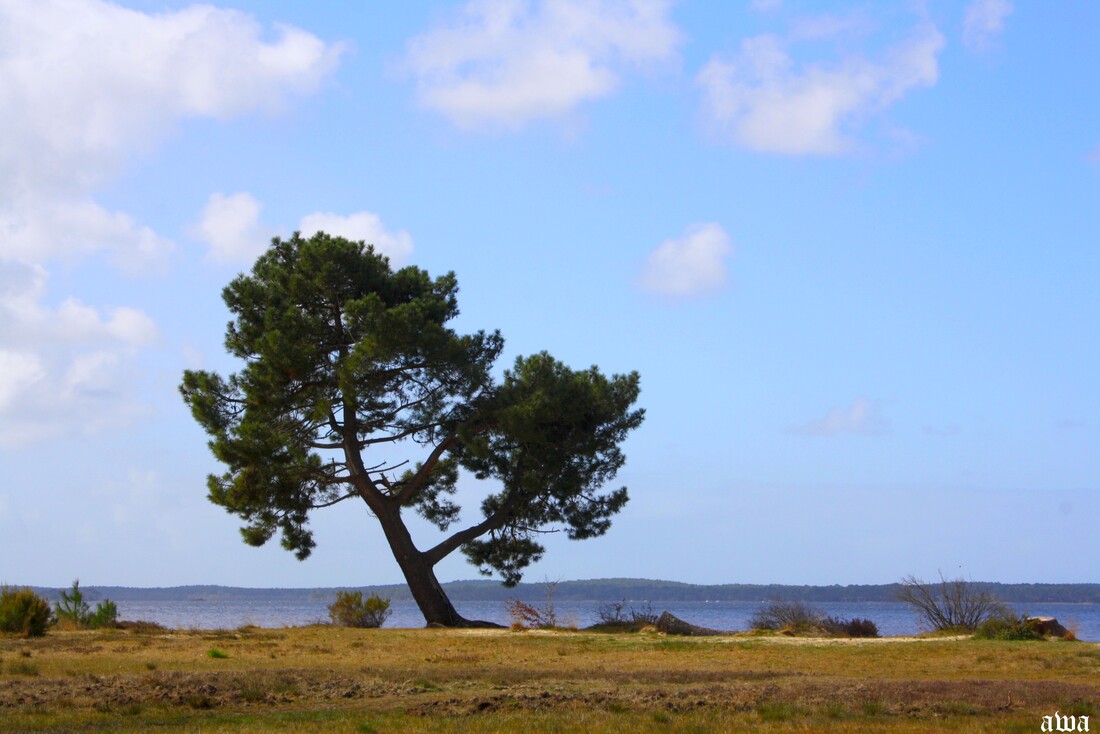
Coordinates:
x,y
326,679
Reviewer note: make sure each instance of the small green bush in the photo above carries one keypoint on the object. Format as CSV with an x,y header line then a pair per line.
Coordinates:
x,y
351,610
23,612
73,610
105,615
217,654
1008,626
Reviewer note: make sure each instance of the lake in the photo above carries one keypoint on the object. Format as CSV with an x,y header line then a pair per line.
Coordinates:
x,y
892,618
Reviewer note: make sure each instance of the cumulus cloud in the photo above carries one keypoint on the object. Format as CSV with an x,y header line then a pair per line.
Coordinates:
x,y
507,62
85,85
365,226
42,227
65,367
983,23
763,99
231,226
863,416
86,82
689,265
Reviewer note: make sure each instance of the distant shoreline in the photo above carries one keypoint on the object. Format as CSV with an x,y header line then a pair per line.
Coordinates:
x,y
592,590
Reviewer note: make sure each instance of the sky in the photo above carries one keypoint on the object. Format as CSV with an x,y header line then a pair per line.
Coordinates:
x,y
851,248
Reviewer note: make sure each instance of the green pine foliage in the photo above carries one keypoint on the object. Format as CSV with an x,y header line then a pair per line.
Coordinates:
x,y
351,610
355,387
23,612
73,610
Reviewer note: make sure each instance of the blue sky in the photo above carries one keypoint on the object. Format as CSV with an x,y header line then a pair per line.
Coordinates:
x,y
850,247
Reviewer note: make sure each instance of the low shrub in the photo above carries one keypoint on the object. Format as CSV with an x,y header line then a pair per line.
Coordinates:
x,y
1008,626
620,614
795,616
73,610
853,627
351,610
23,612
951,605
525,616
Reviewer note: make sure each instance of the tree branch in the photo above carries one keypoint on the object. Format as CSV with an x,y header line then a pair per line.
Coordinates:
x,y
349,495
494,521
416,482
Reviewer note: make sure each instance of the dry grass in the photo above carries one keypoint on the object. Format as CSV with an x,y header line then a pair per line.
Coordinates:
x,y
321,679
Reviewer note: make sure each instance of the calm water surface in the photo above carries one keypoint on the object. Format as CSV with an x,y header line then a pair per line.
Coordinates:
x,y
892,618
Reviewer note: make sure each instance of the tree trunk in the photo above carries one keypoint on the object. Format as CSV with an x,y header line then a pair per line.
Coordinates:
x,y
420,576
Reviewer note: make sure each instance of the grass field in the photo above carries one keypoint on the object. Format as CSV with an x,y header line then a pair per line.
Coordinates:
x,y
327,679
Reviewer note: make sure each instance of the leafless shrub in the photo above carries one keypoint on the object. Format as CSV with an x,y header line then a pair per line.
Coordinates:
x,y
953,604
622,614
528,616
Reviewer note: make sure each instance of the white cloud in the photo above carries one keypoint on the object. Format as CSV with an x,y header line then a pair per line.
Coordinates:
x,y
41,227
364,226
230,225
507,62
18,373
25,322
983,22
764,100
85,85
63,369
862,416
690,265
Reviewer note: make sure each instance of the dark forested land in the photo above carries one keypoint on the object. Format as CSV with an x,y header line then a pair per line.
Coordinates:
x,y
606,590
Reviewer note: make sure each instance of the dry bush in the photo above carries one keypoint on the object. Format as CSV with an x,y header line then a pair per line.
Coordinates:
x,y
793,615
955,604
621,614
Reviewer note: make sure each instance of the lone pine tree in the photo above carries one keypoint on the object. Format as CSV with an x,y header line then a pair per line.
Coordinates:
x,y
344,358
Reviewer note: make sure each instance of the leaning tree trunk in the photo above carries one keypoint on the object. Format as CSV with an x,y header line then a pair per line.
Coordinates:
x,y
420,576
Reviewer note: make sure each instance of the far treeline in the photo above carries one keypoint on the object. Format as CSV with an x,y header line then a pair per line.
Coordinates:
x,y
602,590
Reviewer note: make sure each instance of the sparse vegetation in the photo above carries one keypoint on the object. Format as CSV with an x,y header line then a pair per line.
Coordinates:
x,y
351,610
955,604
622,615
528,616
23,612
792,616
854,627
798,618
311,679
73,611
1008,626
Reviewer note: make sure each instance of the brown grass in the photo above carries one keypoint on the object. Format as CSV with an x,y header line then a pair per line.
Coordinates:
x,y
318,679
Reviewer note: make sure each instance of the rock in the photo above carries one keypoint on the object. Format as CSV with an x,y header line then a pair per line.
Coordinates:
x,y
671,625
1048,626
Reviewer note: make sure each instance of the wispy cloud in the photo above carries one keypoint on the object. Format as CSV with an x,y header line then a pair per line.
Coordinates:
x,y
66,367
690,265
504,63
863,416
763,99
984,22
